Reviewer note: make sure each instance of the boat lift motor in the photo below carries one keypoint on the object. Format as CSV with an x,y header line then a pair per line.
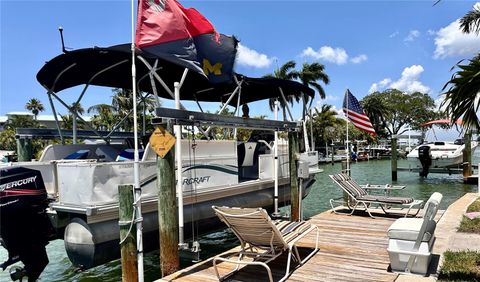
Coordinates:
x,y
425,157
24,225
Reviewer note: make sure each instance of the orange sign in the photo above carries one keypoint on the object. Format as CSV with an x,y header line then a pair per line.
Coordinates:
x,y
162,141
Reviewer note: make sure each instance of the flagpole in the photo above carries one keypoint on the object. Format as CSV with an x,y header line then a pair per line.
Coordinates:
x,y
136,164
348,146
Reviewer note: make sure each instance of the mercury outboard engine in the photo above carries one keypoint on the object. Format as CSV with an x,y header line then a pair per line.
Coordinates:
x,y
425,159
24,225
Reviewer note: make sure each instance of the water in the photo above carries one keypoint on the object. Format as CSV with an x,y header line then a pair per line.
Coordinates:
x,y
373,172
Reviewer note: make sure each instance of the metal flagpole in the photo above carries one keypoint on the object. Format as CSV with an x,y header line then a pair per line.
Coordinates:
x,y
136,164
275,165
348,146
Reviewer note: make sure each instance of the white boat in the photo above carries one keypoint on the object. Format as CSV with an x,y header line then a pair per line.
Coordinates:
x,y
80,196
441,153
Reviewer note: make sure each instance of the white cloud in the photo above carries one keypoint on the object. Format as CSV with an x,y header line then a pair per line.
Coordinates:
x,y
450,41
333,55
358,59
394,34
412,35
379,85
251,58
409,81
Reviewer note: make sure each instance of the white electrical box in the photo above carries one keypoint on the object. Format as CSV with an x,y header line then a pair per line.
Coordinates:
x,y
303,171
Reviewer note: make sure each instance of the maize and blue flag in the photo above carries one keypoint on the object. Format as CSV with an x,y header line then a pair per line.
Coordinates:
x,y
184,36
356,115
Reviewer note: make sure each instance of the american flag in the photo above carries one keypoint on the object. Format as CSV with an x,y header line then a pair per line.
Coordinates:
x,y
355,113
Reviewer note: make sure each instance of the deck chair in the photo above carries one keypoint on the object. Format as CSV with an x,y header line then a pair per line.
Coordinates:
x,y
263,239
360,196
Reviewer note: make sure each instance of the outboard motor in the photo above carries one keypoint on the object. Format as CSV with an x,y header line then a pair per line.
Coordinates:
x,y
425,159
25,228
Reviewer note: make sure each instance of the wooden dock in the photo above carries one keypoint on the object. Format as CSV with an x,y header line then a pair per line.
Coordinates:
x,y
352,248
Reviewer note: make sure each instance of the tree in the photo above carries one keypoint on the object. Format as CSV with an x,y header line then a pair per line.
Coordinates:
x,y
471,21
309,76
288,72
323,120
461,92
104,118
398,110
35,106
123,104
461,95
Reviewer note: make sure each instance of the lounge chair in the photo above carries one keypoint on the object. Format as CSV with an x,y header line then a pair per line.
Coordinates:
x,y
263,239
360,196
411,240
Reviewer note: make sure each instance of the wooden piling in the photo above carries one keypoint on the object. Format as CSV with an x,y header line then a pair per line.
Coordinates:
x,y
127,234
24,149
167,212
467,154
293,152
394,158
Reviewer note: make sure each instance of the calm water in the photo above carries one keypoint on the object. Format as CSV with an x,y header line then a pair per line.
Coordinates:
x,y
373,172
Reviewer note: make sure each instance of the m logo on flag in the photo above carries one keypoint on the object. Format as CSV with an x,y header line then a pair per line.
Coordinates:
x,y
208,68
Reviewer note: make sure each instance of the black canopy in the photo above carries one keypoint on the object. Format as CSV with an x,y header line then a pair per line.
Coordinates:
x,y
111,67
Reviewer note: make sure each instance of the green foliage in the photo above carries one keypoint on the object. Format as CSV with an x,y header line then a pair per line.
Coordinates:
x,y
470,23
7,140
461,94
475,206
471,225
460,266
21,121
391,110
326,124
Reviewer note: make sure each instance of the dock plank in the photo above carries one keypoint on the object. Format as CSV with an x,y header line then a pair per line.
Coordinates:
x,y
352,248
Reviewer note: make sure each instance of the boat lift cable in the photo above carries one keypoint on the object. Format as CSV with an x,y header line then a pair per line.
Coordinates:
x,y
193,193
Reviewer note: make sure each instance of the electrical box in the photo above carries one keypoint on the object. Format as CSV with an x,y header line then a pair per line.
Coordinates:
x,y
303,171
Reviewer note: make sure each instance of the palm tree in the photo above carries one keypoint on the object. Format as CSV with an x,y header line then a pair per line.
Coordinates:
x,y
122,104
105,117
471,21
324,119
288,72
35,106
309,75
461,95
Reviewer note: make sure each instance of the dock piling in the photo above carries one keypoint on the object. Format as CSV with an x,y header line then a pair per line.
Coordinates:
x,y
128,247
167,212
293,152
467,155
394,158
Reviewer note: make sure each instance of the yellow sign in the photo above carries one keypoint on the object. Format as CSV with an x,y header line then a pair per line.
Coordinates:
x,y
162,141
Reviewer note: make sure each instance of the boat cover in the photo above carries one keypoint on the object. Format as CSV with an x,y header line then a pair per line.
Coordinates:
x,y
91,66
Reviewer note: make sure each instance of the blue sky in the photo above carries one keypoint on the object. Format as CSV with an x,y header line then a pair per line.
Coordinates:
x,y
364,45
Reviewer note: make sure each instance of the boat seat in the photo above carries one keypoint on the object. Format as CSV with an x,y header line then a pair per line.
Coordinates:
x,y
78,155
128,155
408,229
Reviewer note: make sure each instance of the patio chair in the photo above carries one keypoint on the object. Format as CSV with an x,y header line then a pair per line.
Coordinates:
x,y
262,240
360,196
